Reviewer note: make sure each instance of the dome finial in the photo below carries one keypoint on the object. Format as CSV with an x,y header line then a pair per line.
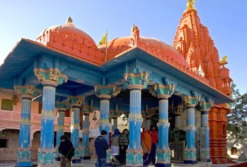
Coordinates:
x,y
70,20
191,4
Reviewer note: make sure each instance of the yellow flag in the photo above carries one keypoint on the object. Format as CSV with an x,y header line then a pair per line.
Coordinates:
x,y
104,39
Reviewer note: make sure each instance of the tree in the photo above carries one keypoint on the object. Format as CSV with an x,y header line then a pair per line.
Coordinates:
x,y
237,121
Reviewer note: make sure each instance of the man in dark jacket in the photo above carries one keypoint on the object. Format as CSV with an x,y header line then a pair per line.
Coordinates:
x,y
67,149
101,146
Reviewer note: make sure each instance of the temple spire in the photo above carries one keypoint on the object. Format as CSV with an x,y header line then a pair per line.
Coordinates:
x,y
191,4
70,20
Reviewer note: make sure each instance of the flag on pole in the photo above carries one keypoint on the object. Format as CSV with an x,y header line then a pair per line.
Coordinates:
x,y
104,39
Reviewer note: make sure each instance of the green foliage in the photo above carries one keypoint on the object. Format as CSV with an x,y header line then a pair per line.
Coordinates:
x,y
237,118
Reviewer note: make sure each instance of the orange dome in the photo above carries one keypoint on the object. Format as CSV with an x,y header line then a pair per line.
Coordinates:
x,y
156,48
67,38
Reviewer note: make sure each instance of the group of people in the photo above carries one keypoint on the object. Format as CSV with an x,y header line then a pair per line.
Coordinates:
x,y
149,141
118,142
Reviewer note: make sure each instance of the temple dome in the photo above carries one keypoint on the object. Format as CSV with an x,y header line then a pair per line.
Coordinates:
x,y
75,42
156,48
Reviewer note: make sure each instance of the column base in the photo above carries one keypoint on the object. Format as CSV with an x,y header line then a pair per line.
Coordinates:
x,y
46,157
85,154
134,158
190,156
162,165
85,157
190,161
76,158
57,158
24,157
76,161
26,164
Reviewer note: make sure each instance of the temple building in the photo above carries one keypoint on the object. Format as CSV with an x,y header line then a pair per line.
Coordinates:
x,y
63,82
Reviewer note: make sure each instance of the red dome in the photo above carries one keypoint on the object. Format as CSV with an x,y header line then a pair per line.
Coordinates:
x,y
75,42
156,48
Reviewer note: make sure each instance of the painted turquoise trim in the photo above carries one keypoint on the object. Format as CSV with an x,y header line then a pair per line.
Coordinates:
x,y
46,157
134,158
24,154
24,164
46,153
85,152
190,151
75,129
163,152
104,116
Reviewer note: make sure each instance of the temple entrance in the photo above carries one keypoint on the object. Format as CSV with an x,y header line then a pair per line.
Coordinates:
x,y
177,135
177,145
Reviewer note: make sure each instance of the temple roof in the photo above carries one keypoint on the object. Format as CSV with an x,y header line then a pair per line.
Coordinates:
x,y
67,38
154,47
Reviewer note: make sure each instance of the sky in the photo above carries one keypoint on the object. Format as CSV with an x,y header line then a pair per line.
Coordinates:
x,y
225,19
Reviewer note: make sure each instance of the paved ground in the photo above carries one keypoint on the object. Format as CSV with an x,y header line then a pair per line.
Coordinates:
x,y
91,163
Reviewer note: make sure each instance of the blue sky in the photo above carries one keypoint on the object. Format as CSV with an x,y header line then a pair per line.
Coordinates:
x,y
225,19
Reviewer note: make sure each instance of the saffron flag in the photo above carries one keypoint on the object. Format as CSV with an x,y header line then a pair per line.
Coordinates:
x,y
104,39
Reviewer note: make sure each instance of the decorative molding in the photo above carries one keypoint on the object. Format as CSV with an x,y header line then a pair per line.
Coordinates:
x,y
28,91
62,105
191,101
138,78
51,74
106,91
76,101
162,91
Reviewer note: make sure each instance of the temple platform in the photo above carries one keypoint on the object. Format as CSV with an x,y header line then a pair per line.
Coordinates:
x,y
91,163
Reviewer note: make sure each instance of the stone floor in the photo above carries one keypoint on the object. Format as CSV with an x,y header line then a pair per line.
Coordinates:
x,y
91,163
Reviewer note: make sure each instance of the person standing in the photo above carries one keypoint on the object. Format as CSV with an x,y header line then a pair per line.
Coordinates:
x,y
101,146
146,143
67,150
123,143
154,136
115,144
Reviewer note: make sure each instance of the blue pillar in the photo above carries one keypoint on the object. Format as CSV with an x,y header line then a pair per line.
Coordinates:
x,y
61,107
46,154
134,152
114,123
114,114
104,115
204,135
50,78
24,154
190,150
60,132
85,152
163,92
76,103
135,82
105,92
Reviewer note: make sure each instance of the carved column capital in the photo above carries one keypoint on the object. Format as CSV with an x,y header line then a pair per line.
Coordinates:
x,y
107,91
149,112
191,101
62,105
162,91
76,101
205,106
179,110
115,112
28,91
51,76
86,110
138,80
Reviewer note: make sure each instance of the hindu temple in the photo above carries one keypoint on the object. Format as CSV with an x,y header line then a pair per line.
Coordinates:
x,y
56,83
